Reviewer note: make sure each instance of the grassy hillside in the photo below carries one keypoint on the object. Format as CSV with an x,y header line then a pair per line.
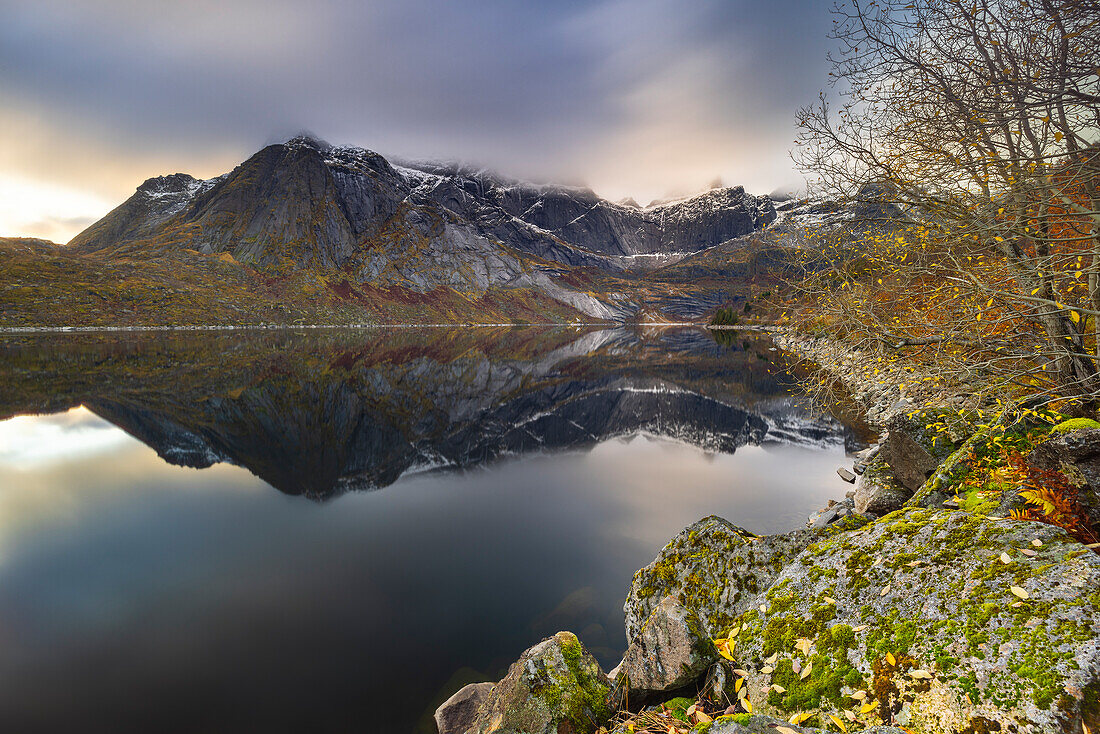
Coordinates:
x,y
44,284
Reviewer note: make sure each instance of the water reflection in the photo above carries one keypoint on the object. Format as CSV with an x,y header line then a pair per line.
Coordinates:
x,y
320,414
141,595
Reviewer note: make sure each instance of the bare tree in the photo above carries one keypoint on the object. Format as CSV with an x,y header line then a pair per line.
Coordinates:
x,y
977,122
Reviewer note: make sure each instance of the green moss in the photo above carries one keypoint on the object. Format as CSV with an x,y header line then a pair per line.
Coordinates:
x,y
1074,424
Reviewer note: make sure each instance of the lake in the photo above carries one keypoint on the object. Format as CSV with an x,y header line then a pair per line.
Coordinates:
x,y
333,530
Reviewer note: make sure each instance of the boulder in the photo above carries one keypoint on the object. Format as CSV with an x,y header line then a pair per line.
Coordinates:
x,y
1076,454
670,651
458,712
878,492
919,441
716,570
556,687
917,620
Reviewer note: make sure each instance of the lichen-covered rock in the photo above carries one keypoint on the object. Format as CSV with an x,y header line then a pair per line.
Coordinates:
x,y
671,651
556,687
877,491
917,620
1075,453
457,714
716,570
749,724
919,441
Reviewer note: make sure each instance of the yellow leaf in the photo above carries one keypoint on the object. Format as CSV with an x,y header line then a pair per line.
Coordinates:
x,y
1037,543
778,688
1022,593
920,674
859,695
797,719
830,600
785,730
742,673
859,628
702,718
767,669
867,707
1005,559
806,671
771,659
838,722
737,684
724,652
891,659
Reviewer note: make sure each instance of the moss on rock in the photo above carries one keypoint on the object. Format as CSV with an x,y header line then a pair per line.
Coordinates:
x,y
555,686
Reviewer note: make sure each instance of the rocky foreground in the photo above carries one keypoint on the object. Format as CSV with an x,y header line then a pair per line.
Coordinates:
x,y
919,608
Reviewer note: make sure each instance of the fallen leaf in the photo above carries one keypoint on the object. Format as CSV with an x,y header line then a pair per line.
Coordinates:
x,y
1005,559
885,590
747,704
737,684
806,671
838,722
859,695
771,659
796,667
1019,592
742,673
767,670
850,716
731,709
891,659
867,707
830,600
1037,543
724,652
920,674
1016,604
1028,552
859,628
778,688
802,644
702,718
691,710
763,607
797,719
785,730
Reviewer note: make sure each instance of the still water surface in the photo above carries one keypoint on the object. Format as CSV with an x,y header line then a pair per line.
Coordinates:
x,y
380,517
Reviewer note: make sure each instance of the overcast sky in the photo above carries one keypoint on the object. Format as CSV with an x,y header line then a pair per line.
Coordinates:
x,y
641,98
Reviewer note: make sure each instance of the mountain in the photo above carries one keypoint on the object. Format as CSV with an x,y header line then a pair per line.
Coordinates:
x,y
418,232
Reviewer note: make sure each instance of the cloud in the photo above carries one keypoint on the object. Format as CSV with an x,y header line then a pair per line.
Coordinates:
x,y
635,98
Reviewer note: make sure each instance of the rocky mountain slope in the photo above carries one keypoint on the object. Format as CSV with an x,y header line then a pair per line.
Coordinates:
x,y
306,206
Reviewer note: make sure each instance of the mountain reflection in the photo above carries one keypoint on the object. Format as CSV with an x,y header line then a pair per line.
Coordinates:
x,y
318,413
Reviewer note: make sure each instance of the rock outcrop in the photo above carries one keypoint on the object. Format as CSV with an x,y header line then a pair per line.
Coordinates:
x,y
716,570
556,687
940,621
